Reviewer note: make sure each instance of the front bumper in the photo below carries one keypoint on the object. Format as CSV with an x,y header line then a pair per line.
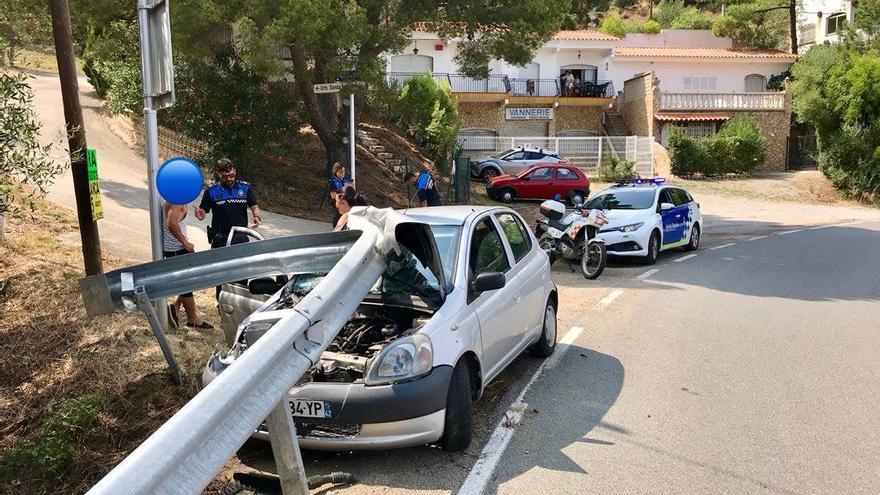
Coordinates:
x,y
626,243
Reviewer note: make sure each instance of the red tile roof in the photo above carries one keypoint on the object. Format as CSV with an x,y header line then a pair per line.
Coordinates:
x,y
662,52
690,117
583,35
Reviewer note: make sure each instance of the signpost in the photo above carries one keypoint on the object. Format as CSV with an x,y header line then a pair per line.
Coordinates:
x,y
94,187
334,87
326,88
158,76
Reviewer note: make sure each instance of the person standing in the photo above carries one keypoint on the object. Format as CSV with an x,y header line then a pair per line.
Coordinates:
x,y
338,181
569,84
176,243
228,201
426,188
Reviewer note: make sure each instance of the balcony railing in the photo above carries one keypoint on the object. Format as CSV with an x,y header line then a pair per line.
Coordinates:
x,y
722,101
499,83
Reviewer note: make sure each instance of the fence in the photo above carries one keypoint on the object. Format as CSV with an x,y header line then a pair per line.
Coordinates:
x,y
722,101
586,152
500,83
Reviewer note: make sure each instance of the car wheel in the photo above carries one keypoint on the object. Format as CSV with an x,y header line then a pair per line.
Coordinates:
x,y
507,195
577,198
458,425
545,346
653,249
488,173
237,488
694,243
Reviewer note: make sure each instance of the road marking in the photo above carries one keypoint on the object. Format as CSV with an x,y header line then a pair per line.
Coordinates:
x,y
684,258
789,232
478,478
849,223
611,297
756,238
722,246
647,274
821,227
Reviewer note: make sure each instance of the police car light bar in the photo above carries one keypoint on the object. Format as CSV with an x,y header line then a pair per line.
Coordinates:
x,y
638,181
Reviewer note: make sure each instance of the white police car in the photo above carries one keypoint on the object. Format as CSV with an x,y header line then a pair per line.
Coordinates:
x,y
647,216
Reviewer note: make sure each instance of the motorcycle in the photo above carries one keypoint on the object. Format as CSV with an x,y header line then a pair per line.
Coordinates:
x,y
573,236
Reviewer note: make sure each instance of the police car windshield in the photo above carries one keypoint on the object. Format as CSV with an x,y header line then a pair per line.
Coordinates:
x,y
624,199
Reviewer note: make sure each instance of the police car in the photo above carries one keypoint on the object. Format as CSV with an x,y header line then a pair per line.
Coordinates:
x,y
647,216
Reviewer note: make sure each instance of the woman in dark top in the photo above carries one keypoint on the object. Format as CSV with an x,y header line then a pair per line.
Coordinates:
x,y
346,198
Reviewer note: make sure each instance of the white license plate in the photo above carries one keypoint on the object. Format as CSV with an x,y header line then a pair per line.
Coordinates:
x,y
310,408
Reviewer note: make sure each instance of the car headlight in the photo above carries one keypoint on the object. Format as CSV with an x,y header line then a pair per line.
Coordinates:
x,y
631,228
403,359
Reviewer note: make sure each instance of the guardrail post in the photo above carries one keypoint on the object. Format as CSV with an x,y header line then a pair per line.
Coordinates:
x,y
285,449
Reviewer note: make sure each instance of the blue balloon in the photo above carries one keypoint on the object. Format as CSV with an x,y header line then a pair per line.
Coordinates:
x,y
179,180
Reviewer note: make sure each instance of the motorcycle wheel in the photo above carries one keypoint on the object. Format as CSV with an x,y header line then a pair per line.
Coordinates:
x,y
547,244
594,259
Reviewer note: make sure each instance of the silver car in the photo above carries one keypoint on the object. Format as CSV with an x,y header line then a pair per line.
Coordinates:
x,y
451,311
511,162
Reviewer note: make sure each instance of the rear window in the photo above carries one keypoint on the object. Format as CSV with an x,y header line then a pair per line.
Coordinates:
x,y
623,199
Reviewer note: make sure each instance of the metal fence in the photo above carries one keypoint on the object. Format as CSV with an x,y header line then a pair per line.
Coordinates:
x,y
500,83
586,152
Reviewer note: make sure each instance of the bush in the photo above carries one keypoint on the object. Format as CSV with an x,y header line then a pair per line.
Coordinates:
x,y
427,112
613,25
737,148
668,11
616,169
692,19
111,62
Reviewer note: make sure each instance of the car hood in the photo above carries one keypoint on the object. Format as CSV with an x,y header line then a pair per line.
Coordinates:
x,y
501,180
619,218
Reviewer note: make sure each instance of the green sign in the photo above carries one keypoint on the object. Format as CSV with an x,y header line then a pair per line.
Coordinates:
x,y
94,190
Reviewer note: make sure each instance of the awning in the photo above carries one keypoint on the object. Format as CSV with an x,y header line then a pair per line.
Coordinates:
x,y
691,117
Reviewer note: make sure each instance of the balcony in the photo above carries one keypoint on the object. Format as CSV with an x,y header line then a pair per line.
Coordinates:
x,y
516,87
722,101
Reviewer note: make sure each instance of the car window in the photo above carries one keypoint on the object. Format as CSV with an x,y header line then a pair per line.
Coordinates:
x,y
515,156
665,197
624,199
543,173
531,155
679,197
487,252
566,174
519,240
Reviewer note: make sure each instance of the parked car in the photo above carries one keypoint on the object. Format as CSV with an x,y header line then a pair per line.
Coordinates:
x,y
512,162
647,216
445,318
543,181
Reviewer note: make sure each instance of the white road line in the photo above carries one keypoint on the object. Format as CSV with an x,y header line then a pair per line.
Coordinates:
x,y
647,274
821,227
480,474
684,258
756,238
849,223
611,297
789,232
722,246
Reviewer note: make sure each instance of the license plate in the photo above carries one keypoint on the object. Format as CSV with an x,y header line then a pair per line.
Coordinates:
x,y
310,408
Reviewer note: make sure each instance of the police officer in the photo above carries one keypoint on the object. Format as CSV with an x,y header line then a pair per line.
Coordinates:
x,y
228,200
426,189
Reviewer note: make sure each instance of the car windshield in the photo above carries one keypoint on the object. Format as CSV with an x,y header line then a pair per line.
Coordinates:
x,y
624,199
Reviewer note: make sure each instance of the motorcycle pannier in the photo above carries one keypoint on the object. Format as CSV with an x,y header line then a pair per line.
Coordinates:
x,y
554,210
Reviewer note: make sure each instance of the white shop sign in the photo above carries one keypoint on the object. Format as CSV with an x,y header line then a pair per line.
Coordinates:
x,y
528,113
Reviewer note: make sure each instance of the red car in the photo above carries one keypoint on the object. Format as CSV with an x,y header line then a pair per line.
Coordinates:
x,y
542,181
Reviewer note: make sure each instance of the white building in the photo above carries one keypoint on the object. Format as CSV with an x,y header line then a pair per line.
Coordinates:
x,y
821,20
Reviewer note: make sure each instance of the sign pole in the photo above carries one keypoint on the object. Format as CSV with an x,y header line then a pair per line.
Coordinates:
x,y
351,132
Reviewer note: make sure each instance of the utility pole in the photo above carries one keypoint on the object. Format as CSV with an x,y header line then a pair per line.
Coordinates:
x,y
792,25
76,135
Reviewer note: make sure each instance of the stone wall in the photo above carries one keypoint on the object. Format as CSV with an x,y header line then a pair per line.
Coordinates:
x,y
490,115
637,105
776,126
586,118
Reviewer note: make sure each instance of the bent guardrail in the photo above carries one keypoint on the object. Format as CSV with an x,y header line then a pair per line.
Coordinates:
x,y
185,453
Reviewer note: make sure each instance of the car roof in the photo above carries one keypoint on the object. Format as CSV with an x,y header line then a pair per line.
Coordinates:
x,y
446,215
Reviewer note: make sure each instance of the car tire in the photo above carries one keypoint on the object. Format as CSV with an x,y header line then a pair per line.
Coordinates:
x,y
653,249
507,194
694,242
577,197
488,173
458,424
546,344
236,488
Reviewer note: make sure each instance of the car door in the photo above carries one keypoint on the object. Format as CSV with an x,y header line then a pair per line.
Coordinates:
x,y
673,219
514,163
528,276
566,181
488,252
537,184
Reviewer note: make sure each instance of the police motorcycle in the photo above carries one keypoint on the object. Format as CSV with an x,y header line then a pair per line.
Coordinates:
x,y
573,236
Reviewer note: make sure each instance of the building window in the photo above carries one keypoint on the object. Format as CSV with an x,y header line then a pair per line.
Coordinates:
x,y
700,83
835,23
693,129
755,83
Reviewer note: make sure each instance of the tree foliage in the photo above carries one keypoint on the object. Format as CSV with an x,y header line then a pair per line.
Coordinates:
x,y
737,148
749,27
428,113
22,158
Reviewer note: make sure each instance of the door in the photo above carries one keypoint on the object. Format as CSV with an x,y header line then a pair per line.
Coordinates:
x,y
514,163
566,181
674,222
538,184
528,275
487,253
529,129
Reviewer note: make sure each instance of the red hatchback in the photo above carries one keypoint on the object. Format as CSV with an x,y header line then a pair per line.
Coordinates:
x,y
542,181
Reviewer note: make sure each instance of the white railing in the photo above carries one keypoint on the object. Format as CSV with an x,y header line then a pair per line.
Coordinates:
x,y
722,101
588,152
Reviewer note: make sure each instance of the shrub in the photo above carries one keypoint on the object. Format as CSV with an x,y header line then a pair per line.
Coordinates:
x,y
687,154
616,169
692,19
737,148
428,113
668,11
613,25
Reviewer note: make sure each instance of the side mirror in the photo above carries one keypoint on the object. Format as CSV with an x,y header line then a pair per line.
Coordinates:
x,y
666,206
488,281
264,286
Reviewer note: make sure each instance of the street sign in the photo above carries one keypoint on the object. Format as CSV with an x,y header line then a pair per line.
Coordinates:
x,y
325,88
156,59
94,188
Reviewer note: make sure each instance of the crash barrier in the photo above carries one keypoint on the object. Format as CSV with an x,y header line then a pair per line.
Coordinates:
x,y
588,152
185,453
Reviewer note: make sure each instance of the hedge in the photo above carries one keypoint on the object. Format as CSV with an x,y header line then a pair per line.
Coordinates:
x,y
737,148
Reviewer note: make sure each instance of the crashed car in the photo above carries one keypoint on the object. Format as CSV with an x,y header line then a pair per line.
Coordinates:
x,y
449,313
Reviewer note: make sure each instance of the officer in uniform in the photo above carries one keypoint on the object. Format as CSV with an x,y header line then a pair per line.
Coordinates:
x,y
426,189
228,200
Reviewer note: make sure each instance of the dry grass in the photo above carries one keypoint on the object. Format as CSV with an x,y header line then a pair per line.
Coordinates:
x,y
53,353
40,59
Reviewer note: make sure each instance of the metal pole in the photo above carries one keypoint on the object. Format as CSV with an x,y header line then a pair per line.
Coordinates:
x,y
76,136
351,131
285,449
151,145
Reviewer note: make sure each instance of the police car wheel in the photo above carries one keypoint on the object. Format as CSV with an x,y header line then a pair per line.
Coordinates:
x,y
694,243
653,249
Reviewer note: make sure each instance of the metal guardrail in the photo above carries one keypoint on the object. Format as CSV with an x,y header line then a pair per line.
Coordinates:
x,y
185,453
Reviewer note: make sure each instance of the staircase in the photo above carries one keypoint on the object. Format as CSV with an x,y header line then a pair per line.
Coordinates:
x,y
614,123
377,150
